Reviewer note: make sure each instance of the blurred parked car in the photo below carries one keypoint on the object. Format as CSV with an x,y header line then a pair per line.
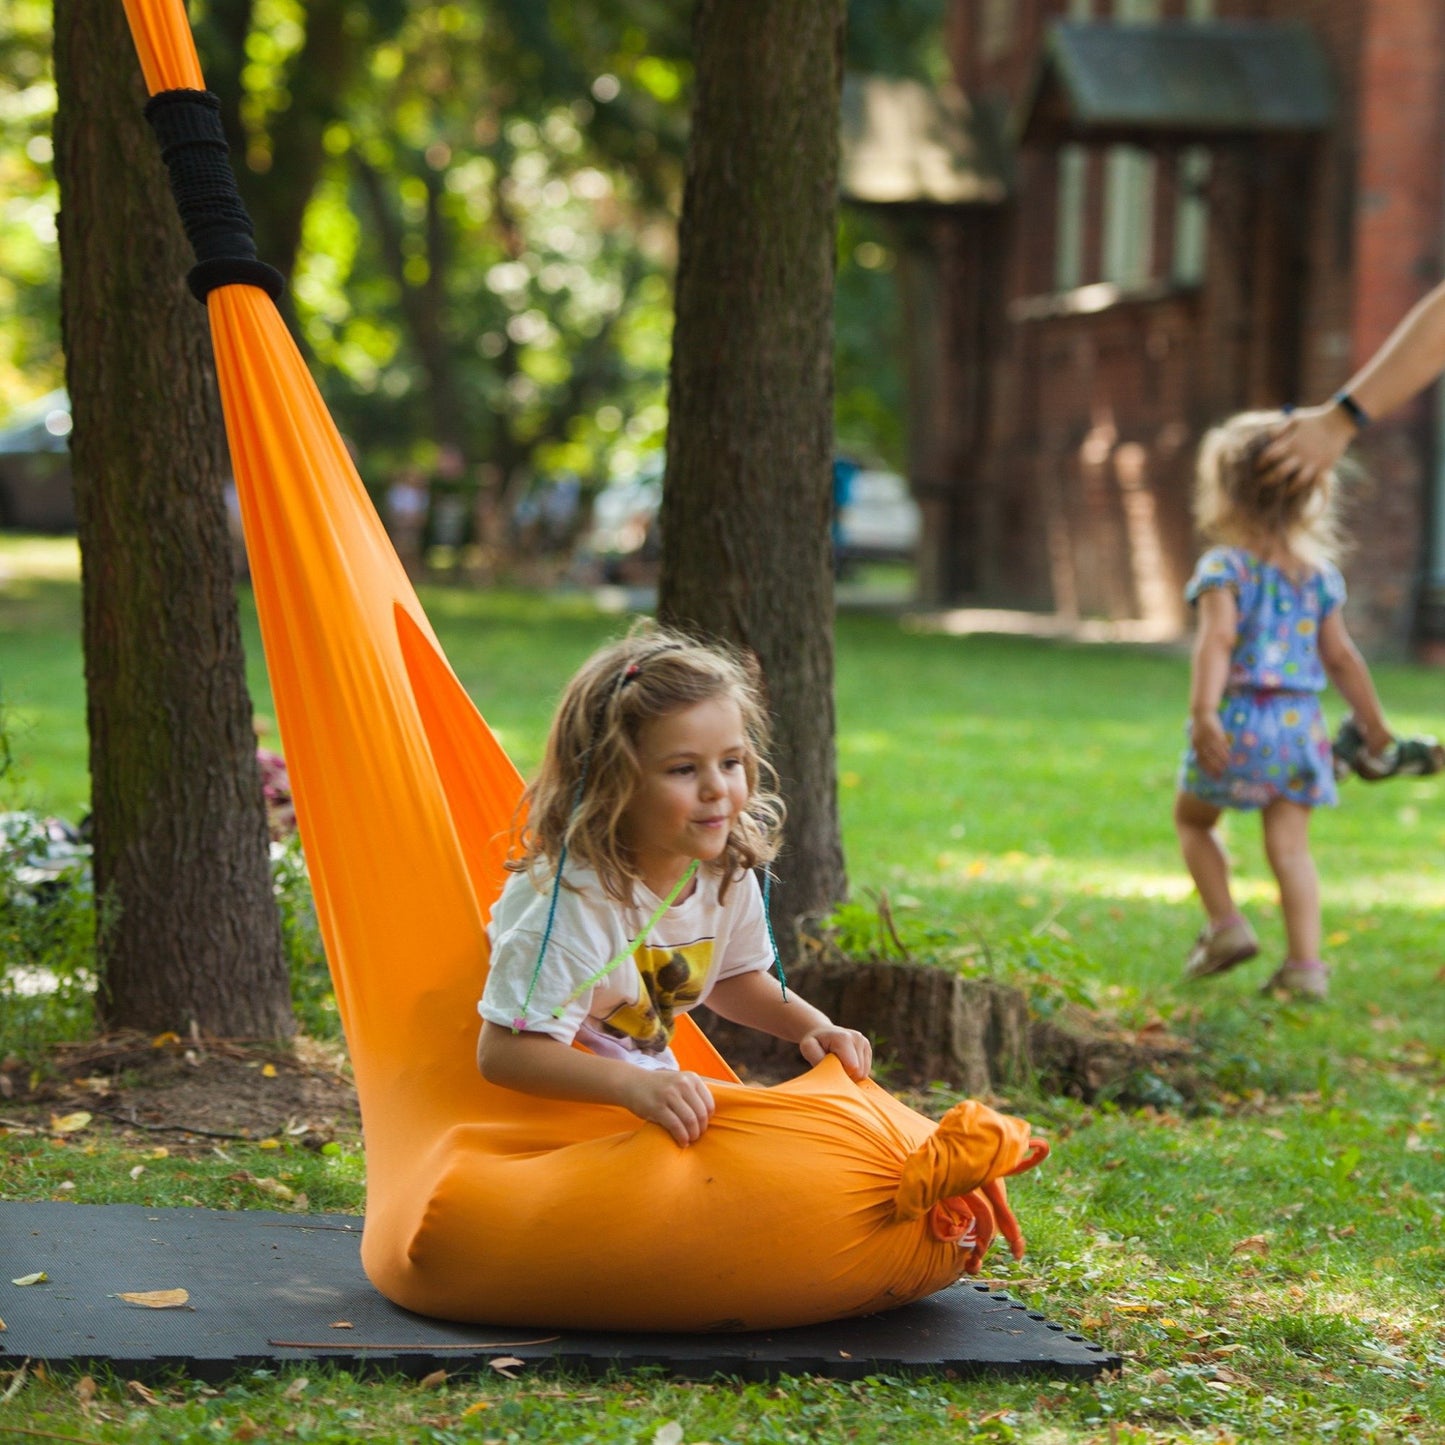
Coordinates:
x,y
622,536
35,490
878,520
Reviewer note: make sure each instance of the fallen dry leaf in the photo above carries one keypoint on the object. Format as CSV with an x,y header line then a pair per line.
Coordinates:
x,y
342,1325
507,1365
3,1327
39,1277
268,1071
137,1171
296,1388
476,1408
1254,1244
70,1123
142,1393
431,1381
668,1434
85,1391
157,1299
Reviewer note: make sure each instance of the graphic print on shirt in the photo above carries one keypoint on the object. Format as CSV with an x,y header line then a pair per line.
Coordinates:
x,y
672,979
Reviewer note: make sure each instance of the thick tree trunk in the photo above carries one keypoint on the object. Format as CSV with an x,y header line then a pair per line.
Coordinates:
x,y
189,932
746,552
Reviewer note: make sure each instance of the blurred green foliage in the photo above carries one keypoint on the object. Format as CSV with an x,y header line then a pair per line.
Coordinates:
x,y
476,203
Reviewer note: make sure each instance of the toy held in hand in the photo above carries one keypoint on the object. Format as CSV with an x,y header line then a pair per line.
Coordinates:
x,y
1411,757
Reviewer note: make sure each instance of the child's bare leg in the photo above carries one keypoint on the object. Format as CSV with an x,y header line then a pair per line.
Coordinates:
x,y
1287,846
1204,855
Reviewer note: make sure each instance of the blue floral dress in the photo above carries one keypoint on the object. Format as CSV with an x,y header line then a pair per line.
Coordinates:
x,y
1280,747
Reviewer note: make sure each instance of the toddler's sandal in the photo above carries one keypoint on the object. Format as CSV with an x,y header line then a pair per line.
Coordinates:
x,y
1301,980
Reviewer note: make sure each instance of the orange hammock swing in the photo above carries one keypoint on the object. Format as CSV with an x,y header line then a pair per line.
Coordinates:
x,y
814,1200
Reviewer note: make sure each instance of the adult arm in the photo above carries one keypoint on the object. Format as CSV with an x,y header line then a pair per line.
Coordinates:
x,y
1347,670
755,1000
1216,629
534,1063
1313,439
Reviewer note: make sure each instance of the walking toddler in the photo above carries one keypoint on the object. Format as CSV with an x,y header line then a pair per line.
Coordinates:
x,y
1270,636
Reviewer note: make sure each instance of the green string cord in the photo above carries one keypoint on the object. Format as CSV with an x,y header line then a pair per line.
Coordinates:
x,y
631,947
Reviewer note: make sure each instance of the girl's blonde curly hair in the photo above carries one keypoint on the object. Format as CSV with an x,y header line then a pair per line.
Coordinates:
x,y
590,768
1237,504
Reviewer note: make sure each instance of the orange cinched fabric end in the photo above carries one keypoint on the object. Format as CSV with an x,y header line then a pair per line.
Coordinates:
x,y
817,1199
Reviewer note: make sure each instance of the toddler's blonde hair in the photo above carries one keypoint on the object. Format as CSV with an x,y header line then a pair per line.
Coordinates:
x,y
590,768
1235,503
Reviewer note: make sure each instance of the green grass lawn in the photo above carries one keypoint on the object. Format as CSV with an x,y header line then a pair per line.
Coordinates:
x,y
1270,1265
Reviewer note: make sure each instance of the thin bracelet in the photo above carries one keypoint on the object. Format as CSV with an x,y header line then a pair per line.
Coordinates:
x,y
1352,409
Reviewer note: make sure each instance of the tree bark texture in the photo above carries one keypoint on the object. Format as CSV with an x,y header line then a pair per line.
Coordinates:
x,y
746,512
189,933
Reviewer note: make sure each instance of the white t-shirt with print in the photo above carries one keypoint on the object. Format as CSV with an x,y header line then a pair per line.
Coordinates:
x,y
629,1013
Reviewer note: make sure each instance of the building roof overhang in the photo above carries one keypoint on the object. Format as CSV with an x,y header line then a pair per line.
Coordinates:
x,y
1176,82
906,144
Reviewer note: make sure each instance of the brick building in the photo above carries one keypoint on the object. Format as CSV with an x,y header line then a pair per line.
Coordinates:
x,y
1212,205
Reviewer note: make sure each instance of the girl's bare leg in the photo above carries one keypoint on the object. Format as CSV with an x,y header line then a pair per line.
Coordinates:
x,y
1204,855
1286,845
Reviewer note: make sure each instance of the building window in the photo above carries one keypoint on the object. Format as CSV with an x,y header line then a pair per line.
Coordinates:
x,y
1129,187
1069,230
1069,206
1128,216
1127,250
1191,216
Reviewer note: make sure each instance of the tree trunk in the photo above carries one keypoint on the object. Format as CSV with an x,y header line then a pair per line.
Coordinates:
x,y
746,552
188,931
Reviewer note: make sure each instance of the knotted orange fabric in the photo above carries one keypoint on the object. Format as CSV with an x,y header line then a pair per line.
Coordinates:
x,y
814,1200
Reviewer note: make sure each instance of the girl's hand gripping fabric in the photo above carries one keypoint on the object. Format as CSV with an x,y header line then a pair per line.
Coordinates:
x,y
678,1102
853,1050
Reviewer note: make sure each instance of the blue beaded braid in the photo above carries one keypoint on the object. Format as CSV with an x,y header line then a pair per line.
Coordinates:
x,y
768,919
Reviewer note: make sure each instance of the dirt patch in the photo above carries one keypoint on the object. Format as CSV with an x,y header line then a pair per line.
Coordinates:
x,y
198,1089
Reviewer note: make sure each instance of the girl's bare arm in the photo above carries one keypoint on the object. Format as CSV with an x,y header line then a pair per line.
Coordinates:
x,y
1213,643
1347,670
536,1064
756,1001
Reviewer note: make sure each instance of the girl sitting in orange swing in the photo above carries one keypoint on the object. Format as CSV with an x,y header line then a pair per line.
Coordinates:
x,y
636,897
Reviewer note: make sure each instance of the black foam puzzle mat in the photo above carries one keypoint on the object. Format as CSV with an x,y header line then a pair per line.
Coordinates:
x,y
271,1289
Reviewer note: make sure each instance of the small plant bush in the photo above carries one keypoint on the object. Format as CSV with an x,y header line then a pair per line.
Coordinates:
x,y
47,935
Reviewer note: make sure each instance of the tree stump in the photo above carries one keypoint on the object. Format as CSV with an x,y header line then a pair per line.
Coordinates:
x,y
928,1025
1076,1053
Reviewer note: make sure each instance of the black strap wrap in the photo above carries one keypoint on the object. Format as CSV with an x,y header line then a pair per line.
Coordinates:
x,y
193,145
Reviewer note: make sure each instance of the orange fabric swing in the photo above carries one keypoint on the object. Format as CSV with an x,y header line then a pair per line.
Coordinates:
x,y
814,1200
